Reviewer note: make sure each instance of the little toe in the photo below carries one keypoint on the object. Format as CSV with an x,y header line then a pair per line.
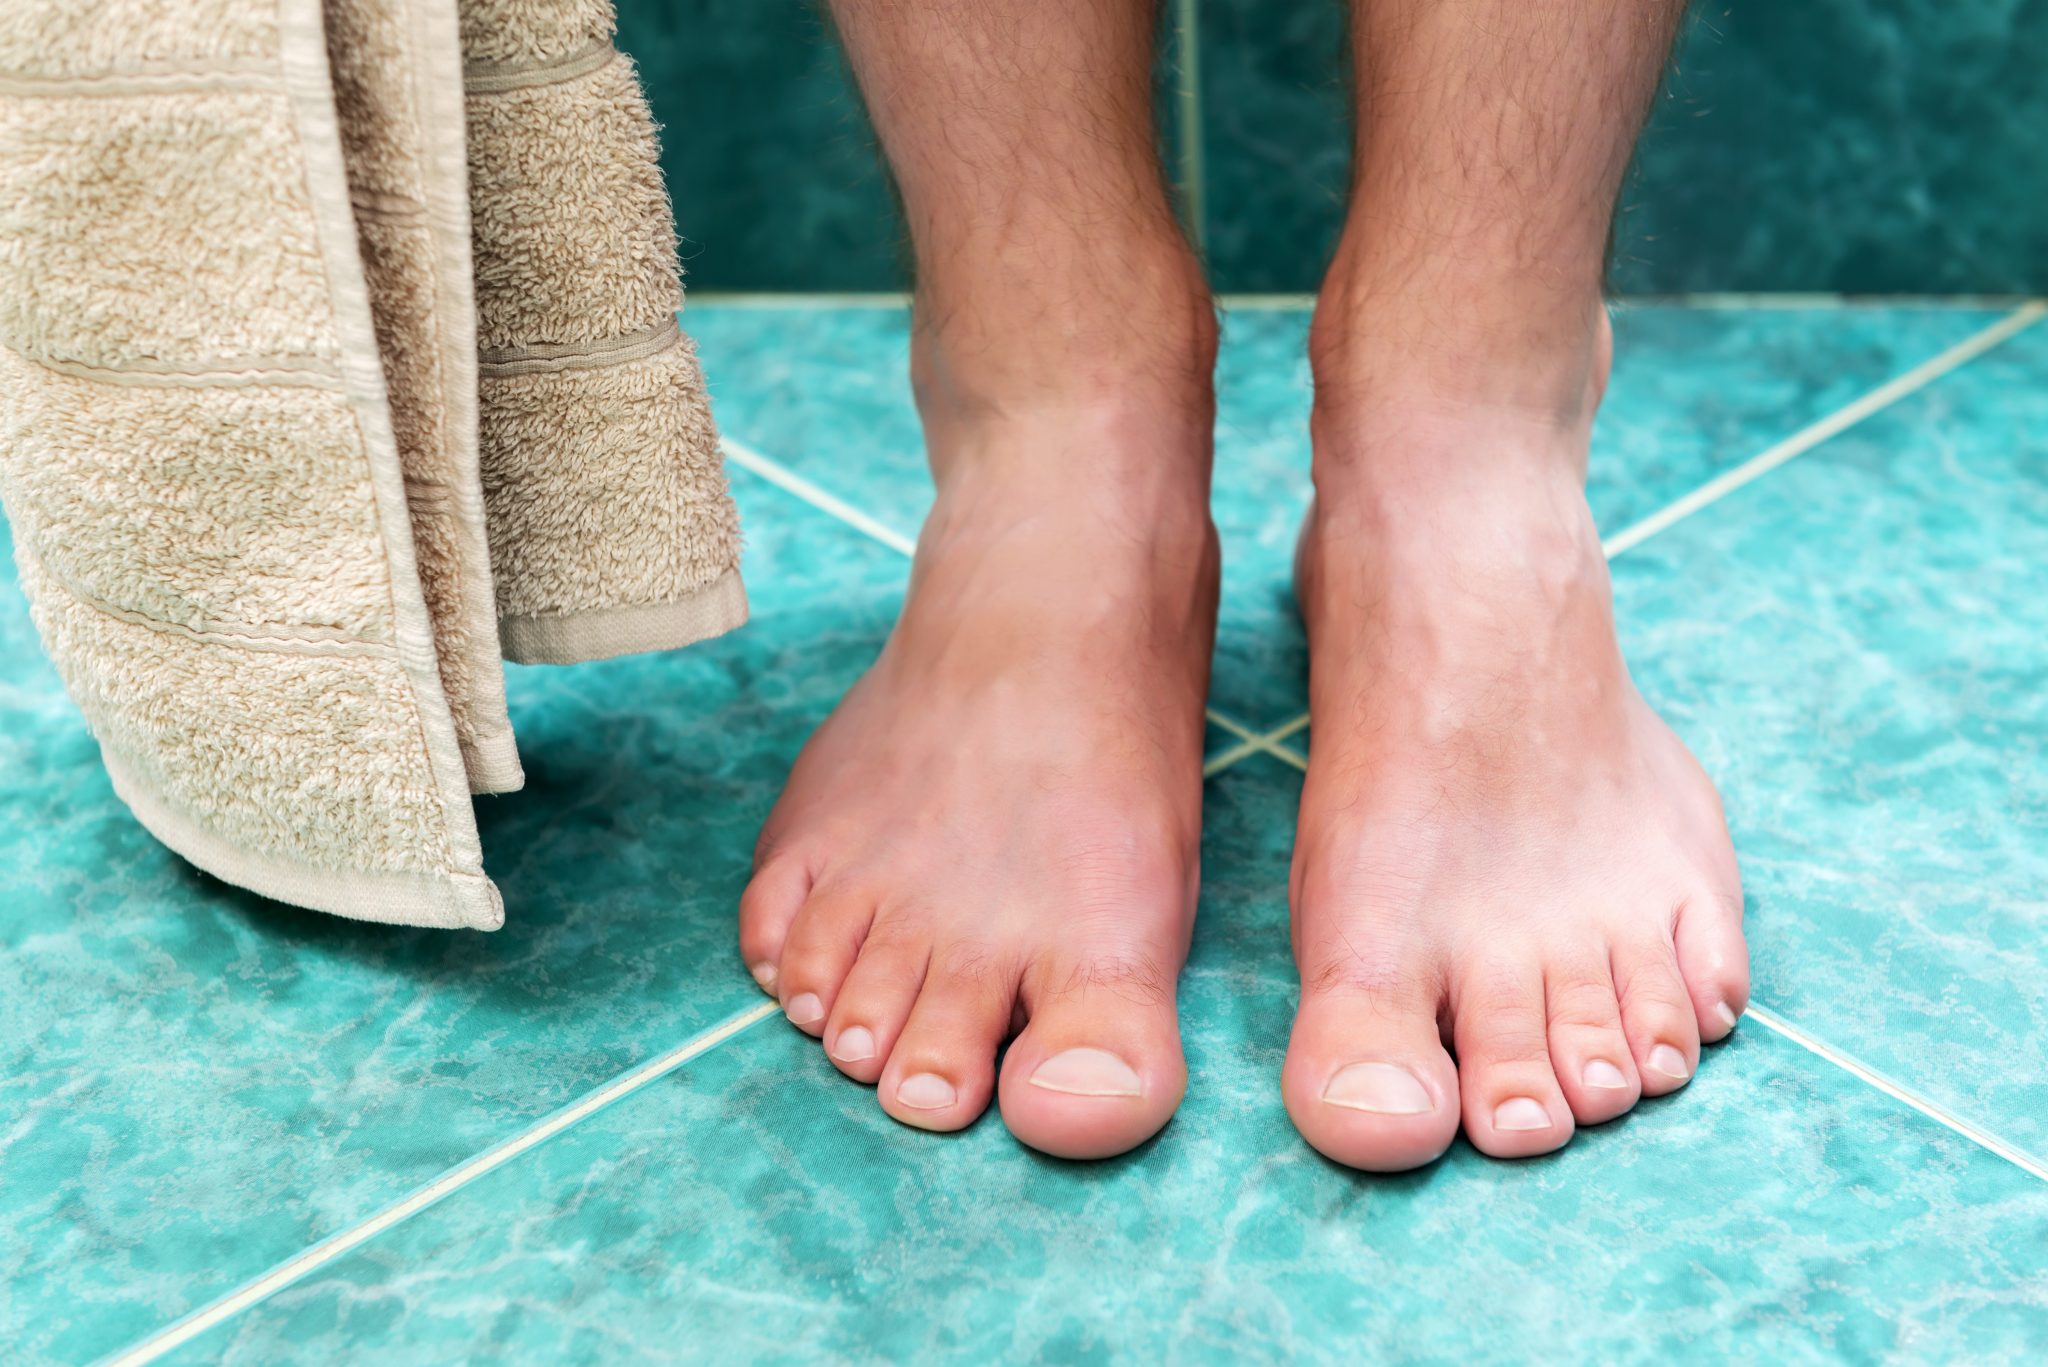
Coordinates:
x,y
1367,1081
1099,1068
823,943
941,1071
1657,1015
1713,958
772,899
876,999
1589,1052
1513,1106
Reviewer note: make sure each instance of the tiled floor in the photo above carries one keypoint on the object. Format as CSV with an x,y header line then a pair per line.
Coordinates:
x,y
326,1141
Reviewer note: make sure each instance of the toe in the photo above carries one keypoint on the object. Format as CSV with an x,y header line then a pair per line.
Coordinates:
x,y
1513,1106
1589,1052
876,998
941,1072
767,908
1099,1068
1714,961
821,948
1367,1081
1657,1015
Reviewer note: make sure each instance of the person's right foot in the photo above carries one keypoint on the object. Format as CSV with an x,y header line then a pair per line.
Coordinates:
x,y
996,833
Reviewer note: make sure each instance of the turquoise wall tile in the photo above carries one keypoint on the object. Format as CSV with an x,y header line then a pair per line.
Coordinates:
x,y
757,1206
196,1083
1847,145
777,181
1854,645
775,176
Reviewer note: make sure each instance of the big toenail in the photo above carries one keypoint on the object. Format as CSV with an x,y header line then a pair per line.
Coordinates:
x,y
853,1044
1382,1088
1087,1072
1725,1014
1669,1062
1601,1073
925,1092
804,1009
1521,1113
764,974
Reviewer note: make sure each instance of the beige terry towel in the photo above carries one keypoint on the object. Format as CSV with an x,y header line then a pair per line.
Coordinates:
x,y
337,352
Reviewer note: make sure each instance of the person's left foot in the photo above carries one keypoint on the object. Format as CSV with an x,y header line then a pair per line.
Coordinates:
x,y
1501,847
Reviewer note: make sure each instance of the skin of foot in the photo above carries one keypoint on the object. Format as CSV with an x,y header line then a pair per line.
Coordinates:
x,y
995,836
1516,908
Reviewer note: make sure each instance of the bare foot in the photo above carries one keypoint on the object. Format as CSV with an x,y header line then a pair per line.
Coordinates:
x,y
1501,849
997,831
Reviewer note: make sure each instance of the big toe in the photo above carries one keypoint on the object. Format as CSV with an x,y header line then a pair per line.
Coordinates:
x,y
1099,1068
1367,1081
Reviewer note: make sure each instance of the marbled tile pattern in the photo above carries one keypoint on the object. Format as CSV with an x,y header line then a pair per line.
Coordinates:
x,y
761,1205
196,1084
1858,645
775,175
1862,146
251,1077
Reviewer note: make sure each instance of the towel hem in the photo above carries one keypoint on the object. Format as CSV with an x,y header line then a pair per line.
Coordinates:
x,y
304,59
445,901
602,633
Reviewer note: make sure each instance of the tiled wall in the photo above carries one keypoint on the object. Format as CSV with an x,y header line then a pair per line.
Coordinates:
x,y
1889,146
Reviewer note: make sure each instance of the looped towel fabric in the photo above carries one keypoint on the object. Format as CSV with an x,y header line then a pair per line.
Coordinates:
x,y
338,360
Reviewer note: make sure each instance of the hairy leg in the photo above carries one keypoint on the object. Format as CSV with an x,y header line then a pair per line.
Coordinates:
x,y
1503,854
996,832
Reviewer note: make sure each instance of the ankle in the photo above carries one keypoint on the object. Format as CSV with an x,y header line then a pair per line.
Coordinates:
x,y
1133,327
1449,339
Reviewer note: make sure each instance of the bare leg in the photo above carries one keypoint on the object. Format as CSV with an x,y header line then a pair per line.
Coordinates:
x,y
997,830
1501,848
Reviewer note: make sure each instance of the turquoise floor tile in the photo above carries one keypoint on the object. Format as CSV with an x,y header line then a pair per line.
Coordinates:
x,y
195,1083
1857,646
758,1207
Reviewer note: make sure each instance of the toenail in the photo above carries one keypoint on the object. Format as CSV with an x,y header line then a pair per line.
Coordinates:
x,y
764,974
1088,1072
1725,1014
1601,1073
1383,1088
853,1044
1669,1062
1521,1113
804,1009
925,1092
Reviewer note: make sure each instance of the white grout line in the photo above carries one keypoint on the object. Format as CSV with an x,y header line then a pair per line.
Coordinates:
x,y
792,482
1798,444
1941,1115
328,1250
789,481
1228,756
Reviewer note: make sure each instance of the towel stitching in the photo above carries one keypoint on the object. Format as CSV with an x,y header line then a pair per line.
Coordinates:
x,y
496,78
308,372
548,357
279,638
146,80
